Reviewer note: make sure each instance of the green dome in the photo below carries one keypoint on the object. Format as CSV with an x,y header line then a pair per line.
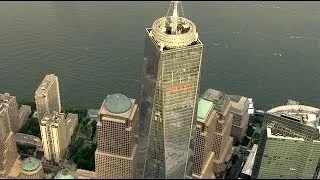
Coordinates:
x,y
117,103
65,174
30,164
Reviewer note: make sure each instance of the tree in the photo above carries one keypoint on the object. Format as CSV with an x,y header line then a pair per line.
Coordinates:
x,y
85,158
31,127
245,141
250,131
94,128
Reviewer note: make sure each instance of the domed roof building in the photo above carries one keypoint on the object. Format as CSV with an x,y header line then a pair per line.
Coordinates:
x,y
117,134
65,174
117,103
31,168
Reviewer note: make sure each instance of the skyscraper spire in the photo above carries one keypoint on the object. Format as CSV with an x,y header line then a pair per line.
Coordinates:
x,y
174,17
174,6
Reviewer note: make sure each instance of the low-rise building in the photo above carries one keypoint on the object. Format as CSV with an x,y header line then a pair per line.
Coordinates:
x,y
84,174
66,174
246,171
28,139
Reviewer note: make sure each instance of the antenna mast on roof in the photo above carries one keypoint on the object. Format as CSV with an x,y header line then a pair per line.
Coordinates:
x,y
175,14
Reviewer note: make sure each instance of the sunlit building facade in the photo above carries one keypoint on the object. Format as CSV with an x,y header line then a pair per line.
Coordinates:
x,y
170,85
12,105
8,147
47,96
54,135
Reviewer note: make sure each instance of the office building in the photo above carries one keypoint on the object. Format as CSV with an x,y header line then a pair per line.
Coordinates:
x,y
170,85
11,102
115,156
47,96
205,130
8,147
56,132
240,105
213,131
290,146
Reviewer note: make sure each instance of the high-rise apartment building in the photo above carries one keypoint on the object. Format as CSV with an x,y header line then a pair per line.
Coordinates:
x,y
47,96
170,84
289,147
115,156
11,102
56,132
240,105
8,147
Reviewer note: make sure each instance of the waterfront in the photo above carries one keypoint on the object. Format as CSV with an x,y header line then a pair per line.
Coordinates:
x,y
268,51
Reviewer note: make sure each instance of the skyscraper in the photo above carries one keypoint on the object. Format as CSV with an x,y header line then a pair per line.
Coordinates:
x,y
240,106
56,132
290,144
213,132
47,96
170,85
8,147
11,103
115,156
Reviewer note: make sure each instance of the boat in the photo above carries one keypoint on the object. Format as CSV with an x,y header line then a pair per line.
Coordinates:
x,y
259,112
251,107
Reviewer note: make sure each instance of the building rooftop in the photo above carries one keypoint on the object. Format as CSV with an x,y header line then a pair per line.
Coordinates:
x,y
238,103
5,98
93,113
219,99
174,30
29,139
30,164
84,174
46,84
300,113
204,107
117,103
65,174
213,95
55,117
247,168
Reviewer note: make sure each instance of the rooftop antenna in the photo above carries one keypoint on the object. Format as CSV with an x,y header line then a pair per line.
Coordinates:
x,y
175,15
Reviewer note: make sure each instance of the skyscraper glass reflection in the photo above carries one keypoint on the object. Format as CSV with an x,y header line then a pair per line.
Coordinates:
x,y
170,84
